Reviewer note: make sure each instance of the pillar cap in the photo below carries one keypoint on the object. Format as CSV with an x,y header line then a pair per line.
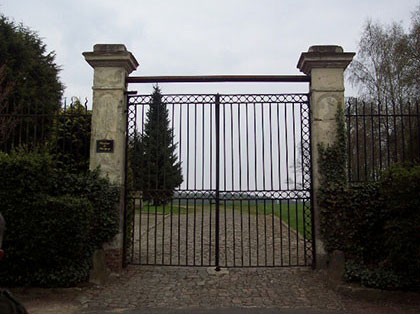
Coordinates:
x,y
329,56
111,55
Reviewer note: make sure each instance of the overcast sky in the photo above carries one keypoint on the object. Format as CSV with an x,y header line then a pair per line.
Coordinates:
x,y
187,37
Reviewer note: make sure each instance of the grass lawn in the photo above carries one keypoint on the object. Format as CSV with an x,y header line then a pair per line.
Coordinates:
x,y
289,212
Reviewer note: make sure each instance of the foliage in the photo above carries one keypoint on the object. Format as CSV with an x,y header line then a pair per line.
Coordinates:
x,y
332,161
380,135
155,167
400,189
70,139
7,122
376,224
30,74
54,220
388,62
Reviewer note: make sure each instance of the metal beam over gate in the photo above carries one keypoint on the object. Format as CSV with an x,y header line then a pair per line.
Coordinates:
x,y
220,79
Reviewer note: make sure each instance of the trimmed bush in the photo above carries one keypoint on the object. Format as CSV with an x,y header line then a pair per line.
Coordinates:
x,y
54,220
376,225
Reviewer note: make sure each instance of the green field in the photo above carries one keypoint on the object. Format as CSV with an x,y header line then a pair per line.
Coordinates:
x,y
292,211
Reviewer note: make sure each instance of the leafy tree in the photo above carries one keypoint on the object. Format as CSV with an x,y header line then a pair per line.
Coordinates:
x,y
70,138
387,64
386,71
33,74
154,161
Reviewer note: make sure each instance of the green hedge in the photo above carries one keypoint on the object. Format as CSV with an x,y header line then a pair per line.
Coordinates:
x,y
54,220
376,225
383,245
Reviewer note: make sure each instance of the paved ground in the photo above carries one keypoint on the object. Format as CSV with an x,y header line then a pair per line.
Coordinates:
x,y
147,289
201,290
245,239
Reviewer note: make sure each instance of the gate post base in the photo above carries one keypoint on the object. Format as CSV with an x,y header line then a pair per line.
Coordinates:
x,y
99,273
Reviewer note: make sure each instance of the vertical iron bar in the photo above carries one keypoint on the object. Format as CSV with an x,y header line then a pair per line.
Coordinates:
x,y
311,190
271,148
287,146
297,232
349,150
211,177
357,142
303,176
394,114
388,144
233,184
172,200
379,135
164,108
195,180
125,189
217,126
224,180
365,145
418,129
240,183
179,199
294,143
373,175
402,131
188,176
278,143
263,145
247,183
288,232
272,232
410,143
202,183
142,164
156,188
256,183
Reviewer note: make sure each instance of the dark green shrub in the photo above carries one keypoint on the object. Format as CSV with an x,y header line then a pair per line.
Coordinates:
x,y
70,138
400,189
54,220
383,243
376,225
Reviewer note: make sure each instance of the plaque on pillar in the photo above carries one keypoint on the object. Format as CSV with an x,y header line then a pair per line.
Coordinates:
x,y
105,146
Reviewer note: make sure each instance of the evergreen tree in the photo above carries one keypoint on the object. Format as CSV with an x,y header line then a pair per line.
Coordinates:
x,y
157,171
31,78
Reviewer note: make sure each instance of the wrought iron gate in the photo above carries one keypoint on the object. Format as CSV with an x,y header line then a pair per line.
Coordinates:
x,y
245,197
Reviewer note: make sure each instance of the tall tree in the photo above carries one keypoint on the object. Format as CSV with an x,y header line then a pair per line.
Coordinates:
x,y
386,71
387,64
32,72
156,168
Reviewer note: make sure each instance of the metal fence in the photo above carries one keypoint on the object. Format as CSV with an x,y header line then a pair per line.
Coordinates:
x,y
380,135
63,132
245,198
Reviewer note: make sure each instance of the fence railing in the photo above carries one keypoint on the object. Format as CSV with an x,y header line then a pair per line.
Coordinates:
x,y
380,135
64,132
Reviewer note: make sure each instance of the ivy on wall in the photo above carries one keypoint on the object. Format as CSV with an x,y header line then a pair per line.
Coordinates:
x,y
375,224
333,183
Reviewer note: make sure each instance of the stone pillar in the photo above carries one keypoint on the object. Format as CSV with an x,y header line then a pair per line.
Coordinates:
x,y
325,65
112,64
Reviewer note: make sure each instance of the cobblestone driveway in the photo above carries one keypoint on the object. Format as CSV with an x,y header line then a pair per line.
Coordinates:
x,y
245,239
188,287
155,289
